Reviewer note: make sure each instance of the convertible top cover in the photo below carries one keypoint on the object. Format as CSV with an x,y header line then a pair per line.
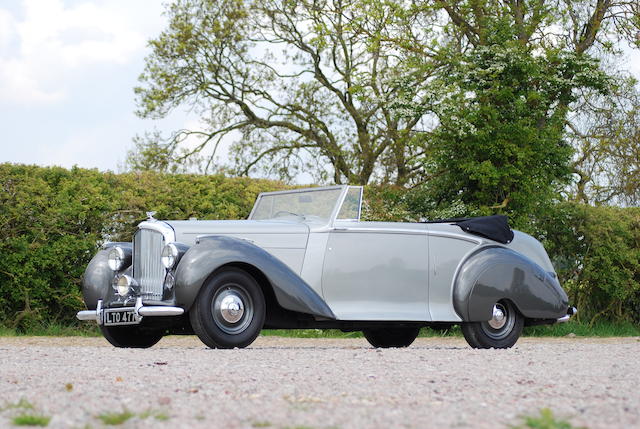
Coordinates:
x,y
494,227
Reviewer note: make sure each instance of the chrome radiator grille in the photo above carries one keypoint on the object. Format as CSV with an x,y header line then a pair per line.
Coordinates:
x,y
147,267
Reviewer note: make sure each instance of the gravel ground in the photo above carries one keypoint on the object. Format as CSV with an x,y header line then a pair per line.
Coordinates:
x,y
322,383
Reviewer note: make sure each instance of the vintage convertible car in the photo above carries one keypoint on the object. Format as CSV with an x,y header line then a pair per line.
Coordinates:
x,y
304,259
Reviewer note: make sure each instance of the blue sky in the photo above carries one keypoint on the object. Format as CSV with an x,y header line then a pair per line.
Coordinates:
x,y
67,72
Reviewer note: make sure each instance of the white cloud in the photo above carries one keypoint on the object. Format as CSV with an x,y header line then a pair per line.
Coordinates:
x,y
51,41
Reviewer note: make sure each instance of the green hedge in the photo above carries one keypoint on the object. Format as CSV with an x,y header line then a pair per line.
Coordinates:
x,y
52,220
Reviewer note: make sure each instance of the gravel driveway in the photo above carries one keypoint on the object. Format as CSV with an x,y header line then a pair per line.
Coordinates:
x,y
322,383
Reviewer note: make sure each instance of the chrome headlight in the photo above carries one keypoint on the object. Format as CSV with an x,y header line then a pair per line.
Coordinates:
x,y
116,258
169,256
123,284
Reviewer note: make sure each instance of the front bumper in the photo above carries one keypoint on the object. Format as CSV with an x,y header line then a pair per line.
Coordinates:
x,y
570,312
139,310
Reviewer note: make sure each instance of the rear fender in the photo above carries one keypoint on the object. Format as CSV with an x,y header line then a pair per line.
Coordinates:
x,y
496,273
213,252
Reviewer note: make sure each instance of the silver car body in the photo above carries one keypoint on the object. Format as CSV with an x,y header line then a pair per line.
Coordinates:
x,y
361,271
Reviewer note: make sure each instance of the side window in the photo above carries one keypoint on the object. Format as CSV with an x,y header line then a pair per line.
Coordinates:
x,y
351,207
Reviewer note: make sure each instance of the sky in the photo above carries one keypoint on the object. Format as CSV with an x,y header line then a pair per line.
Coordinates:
x,y
67,73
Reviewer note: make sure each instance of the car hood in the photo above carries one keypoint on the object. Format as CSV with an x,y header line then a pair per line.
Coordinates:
x,y
254,230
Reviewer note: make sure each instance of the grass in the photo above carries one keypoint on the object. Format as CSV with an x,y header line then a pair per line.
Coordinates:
x,y
114,419
599,329
158,415
30,420
22,404
546,420
53,330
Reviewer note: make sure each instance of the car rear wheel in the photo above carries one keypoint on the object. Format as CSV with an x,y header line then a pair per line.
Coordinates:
x,y
391,337
131,336
229,311
500,332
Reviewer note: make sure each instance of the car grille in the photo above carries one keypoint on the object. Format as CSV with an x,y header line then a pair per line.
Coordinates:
x,y
147,266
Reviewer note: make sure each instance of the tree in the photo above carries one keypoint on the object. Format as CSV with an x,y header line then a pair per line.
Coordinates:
x,y
606,134
307,84
515,71
151,154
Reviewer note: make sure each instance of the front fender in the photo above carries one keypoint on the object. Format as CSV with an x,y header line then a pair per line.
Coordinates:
x,y
96,279
497,273
212,252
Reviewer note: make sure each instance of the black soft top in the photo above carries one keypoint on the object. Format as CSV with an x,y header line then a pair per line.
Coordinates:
x,y
494,227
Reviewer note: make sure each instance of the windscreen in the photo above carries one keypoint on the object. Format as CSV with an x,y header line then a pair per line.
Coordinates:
x,y
305,205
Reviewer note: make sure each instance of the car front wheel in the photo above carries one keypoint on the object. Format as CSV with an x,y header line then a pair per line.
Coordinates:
x,y
500,332
131,336
229,311
391,337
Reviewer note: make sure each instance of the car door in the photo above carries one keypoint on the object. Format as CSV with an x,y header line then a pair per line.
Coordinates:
x,y
377,271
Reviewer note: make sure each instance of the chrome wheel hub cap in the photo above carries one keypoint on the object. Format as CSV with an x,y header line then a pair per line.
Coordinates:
x,y
499,318
501,323
231,308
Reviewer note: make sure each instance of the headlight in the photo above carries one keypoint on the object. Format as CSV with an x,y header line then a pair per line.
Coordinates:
x,y
123,284
169,256
116,258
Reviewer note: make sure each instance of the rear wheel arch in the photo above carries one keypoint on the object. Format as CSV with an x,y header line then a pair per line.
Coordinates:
x,y
497,273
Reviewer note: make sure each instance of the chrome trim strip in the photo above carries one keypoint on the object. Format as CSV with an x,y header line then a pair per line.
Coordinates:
x,y
162,227
470,239
160,311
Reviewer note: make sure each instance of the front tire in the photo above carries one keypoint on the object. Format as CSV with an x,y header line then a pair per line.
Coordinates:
x,y
391,337
501,332
229,311
133,337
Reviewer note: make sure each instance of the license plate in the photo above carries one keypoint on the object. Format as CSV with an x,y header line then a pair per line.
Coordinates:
x,y
120,316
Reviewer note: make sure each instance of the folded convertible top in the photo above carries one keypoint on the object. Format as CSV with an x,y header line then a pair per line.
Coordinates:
x,y
494,227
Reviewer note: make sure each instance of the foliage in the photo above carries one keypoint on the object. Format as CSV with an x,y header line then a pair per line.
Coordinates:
x,y
299,85
546,420
150,154
116,419
596,252
31,420
471,97
500,142
510,75
605,131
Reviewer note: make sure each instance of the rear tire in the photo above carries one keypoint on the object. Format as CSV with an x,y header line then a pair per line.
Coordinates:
x,y
134,337
391,337
501,332
229,311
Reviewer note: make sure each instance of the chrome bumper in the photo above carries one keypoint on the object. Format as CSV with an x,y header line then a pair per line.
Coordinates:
x,y
139,310
570,312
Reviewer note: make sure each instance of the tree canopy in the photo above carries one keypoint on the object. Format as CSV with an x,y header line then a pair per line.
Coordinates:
x,y
304,82
472,99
